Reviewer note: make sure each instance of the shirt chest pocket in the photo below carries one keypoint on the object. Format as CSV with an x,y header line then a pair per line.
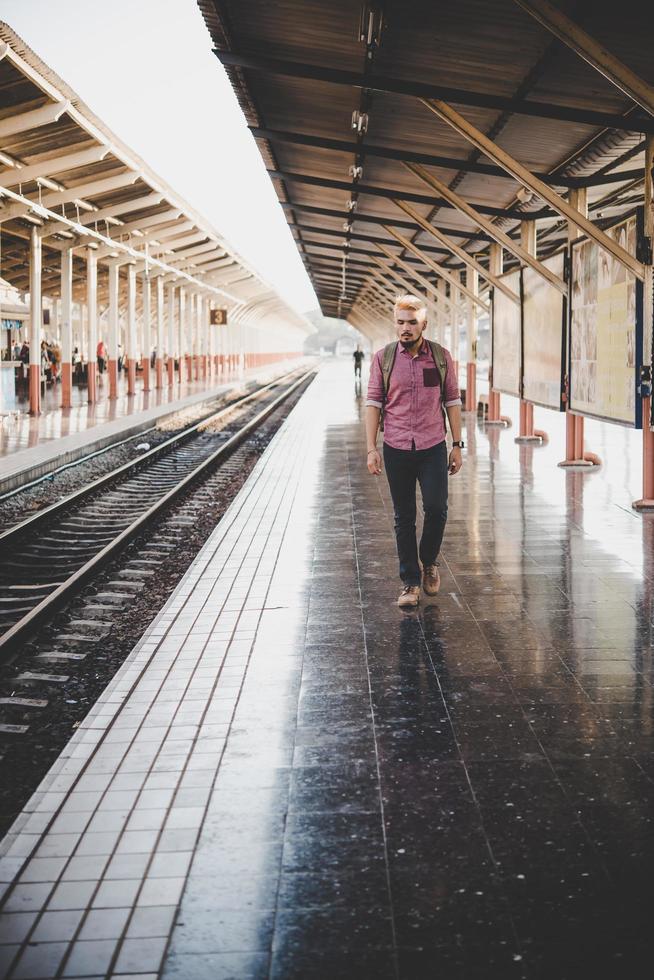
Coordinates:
x,y
430,378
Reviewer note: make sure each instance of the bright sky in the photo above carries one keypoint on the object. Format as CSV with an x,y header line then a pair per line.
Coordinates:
x,y
145,67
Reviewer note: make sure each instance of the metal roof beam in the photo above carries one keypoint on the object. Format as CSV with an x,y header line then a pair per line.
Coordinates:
x,y
79,192
148,237
421,90
21,122
175,243
512,246
469,261
525,177
316,258
391,193
596,55
150,200
438,269
415,276
326,212
447,163
189,253
452,232
151,221
218,264
53,165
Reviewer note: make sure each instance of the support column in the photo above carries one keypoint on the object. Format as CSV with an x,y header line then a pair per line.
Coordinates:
x,y
188,333
527,432
171,334
456,337
158,364
195,331
647,500
442,314
575,454
131,330
112,344
181,333
146,331
220,348
36,327
495,417
92,308
472,282
66,327
204,337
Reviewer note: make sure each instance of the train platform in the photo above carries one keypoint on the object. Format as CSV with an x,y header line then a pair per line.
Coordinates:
x,y
291,778
33,445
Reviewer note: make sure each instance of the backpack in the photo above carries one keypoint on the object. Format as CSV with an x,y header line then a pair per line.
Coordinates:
x,y
388,360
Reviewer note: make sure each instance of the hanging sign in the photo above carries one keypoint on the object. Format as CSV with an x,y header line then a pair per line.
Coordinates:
x,y
218,318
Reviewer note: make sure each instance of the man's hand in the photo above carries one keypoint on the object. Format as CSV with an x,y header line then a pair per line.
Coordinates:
x,y
374,463
456,461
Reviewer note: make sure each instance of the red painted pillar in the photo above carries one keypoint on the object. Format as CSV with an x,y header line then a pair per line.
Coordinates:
x,y
66,385
113,378
471,387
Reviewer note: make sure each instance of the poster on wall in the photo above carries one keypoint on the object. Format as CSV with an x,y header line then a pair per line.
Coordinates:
x,y
605,330
544,310
507,337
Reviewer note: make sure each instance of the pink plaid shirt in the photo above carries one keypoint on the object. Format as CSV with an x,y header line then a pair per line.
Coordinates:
x,y
412,413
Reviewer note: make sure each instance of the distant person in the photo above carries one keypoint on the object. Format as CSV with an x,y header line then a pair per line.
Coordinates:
x,y
358,356
101,355
414,382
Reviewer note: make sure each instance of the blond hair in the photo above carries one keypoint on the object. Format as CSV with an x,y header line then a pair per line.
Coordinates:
x,y
411,302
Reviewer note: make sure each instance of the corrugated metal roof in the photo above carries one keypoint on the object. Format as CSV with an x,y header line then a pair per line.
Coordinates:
x,y
110,191
490,48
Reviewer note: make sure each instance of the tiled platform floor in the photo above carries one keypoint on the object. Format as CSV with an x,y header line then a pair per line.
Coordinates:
x,y
291,779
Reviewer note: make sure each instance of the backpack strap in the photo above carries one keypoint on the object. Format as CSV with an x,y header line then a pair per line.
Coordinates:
x,y
438,353
387,362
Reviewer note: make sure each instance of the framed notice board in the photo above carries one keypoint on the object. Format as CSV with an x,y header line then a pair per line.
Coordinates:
x,y
606,329
544,319
506,347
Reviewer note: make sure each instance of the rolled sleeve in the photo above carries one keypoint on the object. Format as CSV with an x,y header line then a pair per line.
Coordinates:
x,y
375,395
452,393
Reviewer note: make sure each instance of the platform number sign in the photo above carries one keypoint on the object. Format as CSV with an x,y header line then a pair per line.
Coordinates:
x,y
218,318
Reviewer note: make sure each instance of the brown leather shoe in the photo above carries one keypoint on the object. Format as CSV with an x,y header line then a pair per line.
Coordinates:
x,y
409,597
431,579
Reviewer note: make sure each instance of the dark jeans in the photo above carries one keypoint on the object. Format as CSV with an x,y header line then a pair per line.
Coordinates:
x,y
428,467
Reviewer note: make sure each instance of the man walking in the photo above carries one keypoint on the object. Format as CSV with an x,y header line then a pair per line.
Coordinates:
x,y
413,383
358,358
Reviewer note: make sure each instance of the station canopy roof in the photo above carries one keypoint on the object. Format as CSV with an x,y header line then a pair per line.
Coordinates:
x,y
64,172
345,100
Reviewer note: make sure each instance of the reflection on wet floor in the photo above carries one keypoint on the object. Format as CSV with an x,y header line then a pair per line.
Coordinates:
x,y
461,792
20,430
465,791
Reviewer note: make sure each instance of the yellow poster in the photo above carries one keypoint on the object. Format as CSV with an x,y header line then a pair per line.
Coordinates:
x,y
603,329
543,325
507,336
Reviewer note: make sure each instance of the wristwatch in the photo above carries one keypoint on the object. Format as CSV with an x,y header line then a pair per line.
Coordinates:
x,y
459,444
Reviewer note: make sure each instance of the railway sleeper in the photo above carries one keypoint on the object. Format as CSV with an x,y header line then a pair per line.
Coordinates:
x,y
61,655
32,677
25,702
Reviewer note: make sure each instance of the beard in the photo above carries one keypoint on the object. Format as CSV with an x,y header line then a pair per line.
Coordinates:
x,y
409,343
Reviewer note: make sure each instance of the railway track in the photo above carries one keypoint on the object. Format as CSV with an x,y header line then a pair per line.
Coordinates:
x,y
49,557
